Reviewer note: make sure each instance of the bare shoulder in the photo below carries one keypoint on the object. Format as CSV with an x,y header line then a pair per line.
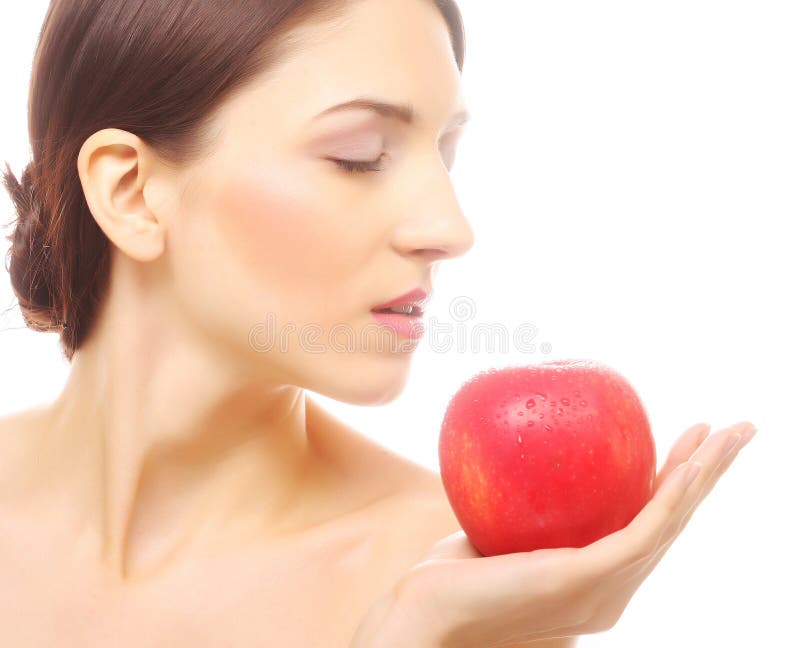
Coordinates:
x,y
421,494
17,438
414,487
14,425
406,489
19,446
436,504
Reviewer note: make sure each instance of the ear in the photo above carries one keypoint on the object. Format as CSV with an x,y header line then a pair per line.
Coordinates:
x,y
114,166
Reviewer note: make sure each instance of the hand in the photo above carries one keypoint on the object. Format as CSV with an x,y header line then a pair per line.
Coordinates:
x,y
450,599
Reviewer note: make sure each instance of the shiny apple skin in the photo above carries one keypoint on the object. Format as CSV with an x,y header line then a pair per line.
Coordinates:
x,y
555,454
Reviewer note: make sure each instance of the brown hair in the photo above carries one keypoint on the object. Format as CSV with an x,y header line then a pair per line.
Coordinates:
x,y
156,68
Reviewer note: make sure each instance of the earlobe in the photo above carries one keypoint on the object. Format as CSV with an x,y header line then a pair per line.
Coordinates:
x,y
113,166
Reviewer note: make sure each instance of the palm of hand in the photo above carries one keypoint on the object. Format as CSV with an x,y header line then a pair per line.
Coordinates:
x,y
549,593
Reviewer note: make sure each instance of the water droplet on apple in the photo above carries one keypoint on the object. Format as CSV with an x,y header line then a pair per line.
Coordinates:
x,y
565,401
519,438
583,403
530,423
530,403
541,416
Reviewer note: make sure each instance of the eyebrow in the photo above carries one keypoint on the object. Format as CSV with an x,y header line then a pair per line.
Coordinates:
x,y
402,112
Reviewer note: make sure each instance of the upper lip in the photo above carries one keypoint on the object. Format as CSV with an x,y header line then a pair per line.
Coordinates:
x,y
416,297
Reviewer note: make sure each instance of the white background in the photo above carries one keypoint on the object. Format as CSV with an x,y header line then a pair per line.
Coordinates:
x,y
632,175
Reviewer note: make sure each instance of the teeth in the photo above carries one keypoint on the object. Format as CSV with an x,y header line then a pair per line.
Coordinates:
x,y
402,309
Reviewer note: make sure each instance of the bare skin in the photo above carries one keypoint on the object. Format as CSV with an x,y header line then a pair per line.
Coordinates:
x,y
309,588
183,489
305,589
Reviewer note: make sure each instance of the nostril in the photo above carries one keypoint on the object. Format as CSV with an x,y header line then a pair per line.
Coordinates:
x,y
432,254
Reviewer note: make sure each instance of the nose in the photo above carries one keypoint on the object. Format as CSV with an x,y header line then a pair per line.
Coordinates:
x,y
434,226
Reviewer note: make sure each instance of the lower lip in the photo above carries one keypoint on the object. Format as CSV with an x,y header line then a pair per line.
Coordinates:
x,y
407,326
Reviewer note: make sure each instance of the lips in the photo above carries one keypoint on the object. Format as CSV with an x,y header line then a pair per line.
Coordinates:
x,y
412,302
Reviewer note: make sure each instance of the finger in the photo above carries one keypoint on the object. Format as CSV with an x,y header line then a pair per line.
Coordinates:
x,y
640,539
683,449
666,543
634,544
682,452
710,456
748,433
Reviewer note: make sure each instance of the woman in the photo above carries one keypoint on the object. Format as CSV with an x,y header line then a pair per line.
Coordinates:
x,y
198,202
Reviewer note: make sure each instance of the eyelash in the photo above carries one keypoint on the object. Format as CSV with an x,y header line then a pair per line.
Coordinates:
x,y
354,166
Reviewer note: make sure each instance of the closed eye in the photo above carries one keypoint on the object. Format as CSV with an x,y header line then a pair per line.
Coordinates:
x,y
357,166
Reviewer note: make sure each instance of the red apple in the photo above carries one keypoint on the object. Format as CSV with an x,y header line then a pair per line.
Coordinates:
x,y
556,454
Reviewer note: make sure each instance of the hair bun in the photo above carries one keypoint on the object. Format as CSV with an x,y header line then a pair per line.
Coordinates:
x,y
27,260
25,203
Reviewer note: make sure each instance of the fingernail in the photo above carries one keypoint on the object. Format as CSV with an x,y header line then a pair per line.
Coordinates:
x,y
730,442
691,473
749,434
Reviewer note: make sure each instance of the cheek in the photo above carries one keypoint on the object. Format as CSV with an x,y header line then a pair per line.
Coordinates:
x,y
268,222
282,243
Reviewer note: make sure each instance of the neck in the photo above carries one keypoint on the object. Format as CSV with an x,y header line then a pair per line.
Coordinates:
x,y
165,444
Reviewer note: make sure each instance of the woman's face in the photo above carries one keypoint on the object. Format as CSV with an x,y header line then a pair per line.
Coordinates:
x,y
278,252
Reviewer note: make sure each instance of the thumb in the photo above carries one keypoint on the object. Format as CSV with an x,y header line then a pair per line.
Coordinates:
x,y
453,547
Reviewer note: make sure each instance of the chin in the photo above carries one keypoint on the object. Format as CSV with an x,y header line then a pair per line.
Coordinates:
x,y
363,381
